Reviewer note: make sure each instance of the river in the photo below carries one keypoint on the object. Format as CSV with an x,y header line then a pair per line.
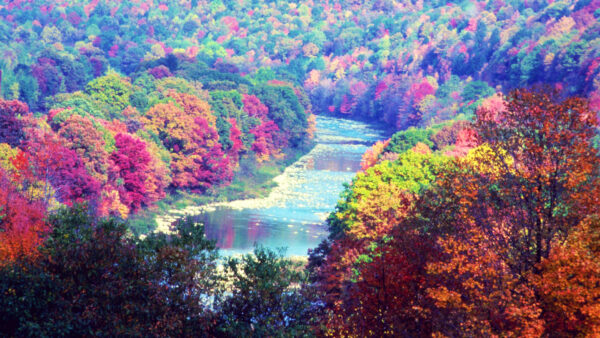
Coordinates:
x,y
293,214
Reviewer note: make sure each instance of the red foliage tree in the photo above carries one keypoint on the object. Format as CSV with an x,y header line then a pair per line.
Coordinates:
x,y
22,225
374,272
253,107
61,167
447,136
499,217
265,139
569,283
87,141
380,88
235,135
159,72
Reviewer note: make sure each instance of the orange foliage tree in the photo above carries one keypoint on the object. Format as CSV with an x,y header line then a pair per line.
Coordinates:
x,y
569,283
501,214
547,180
371,156
188,130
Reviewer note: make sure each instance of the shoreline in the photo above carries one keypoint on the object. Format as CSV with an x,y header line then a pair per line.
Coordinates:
x,y
283,182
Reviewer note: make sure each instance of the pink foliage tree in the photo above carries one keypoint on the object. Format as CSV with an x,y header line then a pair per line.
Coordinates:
x,y
129,165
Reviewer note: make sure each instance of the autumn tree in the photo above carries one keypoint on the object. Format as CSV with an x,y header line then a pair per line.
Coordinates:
x,y
22,225
568,283
373,275
82,136
471,289
60,167
372,270
130,162
498,213
371,156
11,127
188,130
548,173
267,139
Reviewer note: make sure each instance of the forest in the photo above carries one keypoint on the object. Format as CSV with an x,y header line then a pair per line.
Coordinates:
x,y
479,216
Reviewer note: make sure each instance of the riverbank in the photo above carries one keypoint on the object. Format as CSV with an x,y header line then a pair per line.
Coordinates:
x,y
275,193
252,181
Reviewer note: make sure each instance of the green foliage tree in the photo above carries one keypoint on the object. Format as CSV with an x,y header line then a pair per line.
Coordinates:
x,y
93,279
270,297
406,139
285,110
112,92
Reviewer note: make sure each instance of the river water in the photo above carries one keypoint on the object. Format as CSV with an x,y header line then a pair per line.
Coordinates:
x,y
293,214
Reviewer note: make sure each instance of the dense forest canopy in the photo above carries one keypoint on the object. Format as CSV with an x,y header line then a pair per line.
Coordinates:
x,y
351,58
478,217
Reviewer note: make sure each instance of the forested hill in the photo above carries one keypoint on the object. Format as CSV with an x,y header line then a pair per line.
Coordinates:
x,y
405,62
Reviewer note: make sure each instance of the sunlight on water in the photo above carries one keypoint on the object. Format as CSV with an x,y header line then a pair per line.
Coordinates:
x,y
293,214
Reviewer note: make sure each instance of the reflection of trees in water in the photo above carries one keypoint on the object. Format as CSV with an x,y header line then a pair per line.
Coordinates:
x,y
254,229
229,232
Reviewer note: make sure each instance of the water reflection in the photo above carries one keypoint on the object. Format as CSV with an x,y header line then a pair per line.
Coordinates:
x,y
293,215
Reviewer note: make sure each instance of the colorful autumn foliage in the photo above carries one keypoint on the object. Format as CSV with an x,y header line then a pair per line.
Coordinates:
x,y
481,221
22,224
266,135
122,143
11,127
568,283
130,162
490,243
189,133
62,168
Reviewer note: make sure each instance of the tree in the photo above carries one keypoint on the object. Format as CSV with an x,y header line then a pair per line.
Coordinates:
x,y
406,139
81,135
500,214
548,173
188,130
48,77
269,297
447,136
568,283
285,110
130,164
267,139
471,289
374,272
22,226
11,127
61,167
372,154
112,92
94,279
